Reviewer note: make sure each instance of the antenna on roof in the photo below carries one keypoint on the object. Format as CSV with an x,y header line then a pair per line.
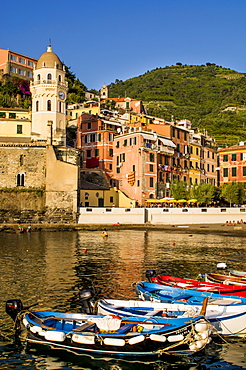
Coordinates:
x,y
49,42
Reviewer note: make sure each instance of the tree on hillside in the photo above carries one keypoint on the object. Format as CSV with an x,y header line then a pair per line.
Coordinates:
x,y
76,89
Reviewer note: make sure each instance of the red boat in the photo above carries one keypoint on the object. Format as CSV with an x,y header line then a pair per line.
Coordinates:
x,y
237,290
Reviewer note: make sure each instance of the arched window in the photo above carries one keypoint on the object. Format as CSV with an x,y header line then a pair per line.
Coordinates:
x,y
49,105
37,106
49,76
60,107
20,179
59,78
38,77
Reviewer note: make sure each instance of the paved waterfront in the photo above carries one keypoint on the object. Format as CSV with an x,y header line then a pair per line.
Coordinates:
x,y
238,230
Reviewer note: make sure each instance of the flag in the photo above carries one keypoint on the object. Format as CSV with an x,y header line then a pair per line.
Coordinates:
x,y
131,178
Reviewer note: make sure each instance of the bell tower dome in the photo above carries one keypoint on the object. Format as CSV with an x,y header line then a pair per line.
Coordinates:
x,y
49,91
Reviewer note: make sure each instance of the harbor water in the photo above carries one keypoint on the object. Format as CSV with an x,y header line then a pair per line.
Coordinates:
x,y
49,268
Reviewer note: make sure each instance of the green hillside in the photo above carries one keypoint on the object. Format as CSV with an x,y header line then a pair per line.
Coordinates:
x,y
200,94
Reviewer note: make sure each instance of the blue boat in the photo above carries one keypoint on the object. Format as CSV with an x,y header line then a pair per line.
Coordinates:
x,y
163,293
107,336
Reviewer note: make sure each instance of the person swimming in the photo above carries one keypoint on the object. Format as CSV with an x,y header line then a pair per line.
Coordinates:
x,y
104,233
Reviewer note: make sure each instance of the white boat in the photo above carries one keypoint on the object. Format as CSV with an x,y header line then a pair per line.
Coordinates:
x,y
226,318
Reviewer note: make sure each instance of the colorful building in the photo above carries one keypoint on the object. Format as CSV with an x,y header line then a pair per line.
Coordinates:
x,y
95,138
194,159
15,125
136,162
16,65
232,163
126,104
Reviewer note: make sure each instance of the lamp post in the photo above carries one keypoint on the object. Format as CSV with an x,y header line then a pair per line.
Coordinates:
x,y
50,124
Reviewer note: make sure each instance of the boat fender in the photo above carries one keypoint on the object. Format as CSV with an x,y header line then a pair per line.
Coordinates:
x,y
208,340
203,335
35,329
193,346
158,338
175,338
83,339
56,336
137,339
201,327
42,333
114,342
25,322
200,344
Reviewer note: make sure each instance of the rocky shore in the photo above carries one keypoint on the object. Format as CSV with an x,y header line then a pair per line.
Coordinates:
x,y
222,229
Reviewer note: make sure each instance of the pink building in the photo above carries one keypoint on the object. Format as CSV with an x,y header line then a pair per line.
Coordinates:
x,y
127,104
136,156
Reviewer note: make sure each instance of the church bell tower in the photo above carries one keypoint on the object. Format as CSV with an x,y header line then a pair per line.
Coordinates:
x,y
49,91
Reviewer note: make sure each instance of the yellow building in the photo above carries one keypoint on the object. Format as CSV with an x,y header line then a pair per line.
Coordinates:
x,y
15,125
75,110
111,197
195,155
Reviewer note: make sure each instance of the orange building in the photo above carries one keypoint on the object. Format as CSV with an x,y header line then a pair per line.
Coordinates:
x,y
16,65
233,163
95,138
127,104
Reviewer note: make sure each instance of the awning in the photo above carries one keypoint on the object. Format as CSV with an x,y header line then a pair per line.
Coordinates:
x,y
167,142
149,137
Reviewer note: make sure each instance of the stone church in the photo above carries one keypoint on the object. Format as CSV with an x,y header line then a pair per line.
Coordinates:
x,y
39,175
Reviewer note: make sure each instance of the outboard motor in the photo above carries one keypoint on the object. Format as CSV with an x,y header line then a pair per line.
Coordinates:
x,y
13,307
85,298
149,274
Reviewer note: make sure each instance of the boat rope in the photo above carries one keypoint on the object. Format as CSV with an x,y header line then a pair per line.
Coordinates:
x,y
232,333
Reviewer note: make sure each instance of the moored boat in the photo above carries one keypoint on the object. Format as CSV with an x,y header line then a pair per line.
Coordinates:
x,y
100,335
225,279
226,319
164,293
237,273
213,287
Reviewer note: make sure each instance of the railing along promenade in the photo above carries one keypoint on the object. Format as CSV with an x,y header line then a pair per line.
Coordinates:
x,y
164,216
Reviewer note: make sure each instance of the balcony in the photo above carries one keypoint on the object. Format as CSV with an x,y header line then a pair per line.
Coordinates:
x,y
165,150
50,82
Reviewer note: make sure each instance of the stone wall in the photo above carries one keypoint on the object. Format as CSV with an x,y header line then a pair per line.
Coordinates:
x,y
48,190
25,159
28,207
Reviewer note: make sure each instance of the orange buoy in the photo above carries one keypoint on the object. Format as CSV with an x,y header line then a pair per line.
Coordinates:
x,y
85,250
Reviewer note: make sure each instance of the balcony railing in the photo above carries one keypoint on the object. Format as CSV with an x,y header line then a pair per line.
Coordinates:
x,y
50,82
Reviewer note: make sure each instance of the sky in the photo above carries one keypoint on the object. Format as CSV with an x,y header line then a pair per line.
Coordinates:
x,y
105,40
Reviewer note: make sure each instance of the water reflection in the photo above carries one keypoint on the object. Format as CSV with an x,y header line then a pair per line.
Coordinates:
x,y
49,268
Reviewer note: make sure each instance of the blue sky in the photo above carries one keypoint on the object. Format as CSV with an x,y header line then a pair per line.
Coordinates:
x,y
105,40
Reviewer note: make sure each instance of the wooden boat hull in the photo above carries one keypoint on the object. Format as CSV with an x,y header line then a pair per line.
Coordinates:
x,y
227,319
213,287
237,273
225,279
113,337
